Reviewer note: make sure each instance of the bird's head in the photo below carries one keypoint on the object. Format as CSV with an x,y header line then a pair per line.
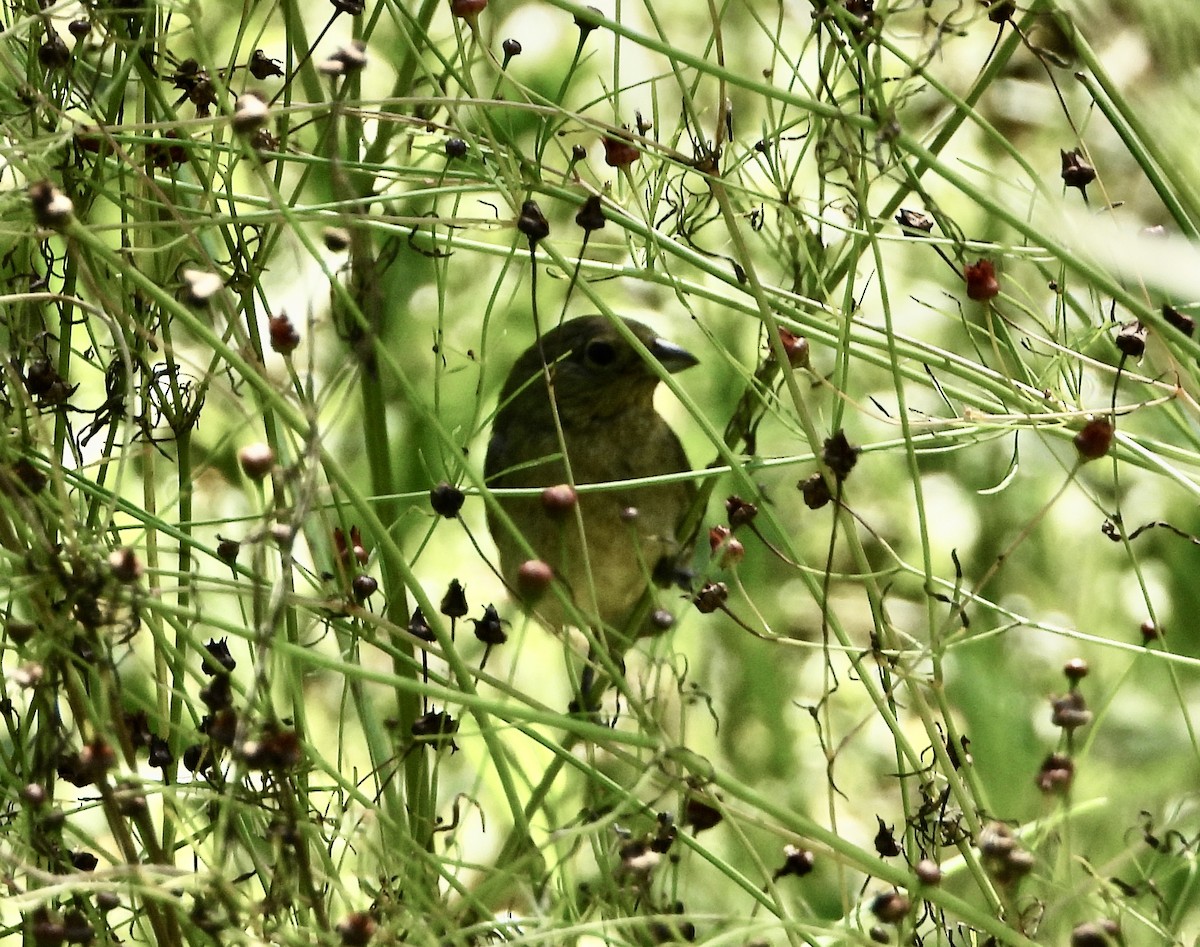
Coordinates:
x,y
596,371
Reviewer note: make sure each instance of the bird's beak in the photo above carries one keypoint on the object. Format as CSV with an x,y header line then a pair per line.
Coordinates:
x,y
674,358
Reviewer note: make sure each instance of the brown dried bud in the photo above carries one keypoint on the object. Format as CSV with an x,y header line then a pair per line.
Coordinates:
x,y
620,152
284,337
981,280
256,461
1070,711
1075,670
1056,774
1094,440
815,491
711,597
796,347
1076,172
739,511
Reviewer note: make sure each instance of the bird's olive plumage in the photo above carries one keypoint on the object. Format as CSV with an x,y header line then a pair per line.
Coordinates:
x,y
604,392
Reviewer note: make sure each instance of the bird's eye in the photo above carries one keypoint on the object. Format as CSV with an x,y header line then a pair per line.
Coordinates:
x,y
600,353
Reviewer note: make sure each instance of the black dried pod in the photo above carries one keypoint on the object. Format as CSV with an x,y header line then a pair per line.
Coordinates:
x,y
454,602
885,841
53,53
839,456
489,629
160,753
418,627
436,728
455,148
532,223
446,500
511,48
263,66
84,861
1173,317
1131,339
700,813
711,597
815,491
914,220
578,153
218,659
227,550
1001,11
363,587
796,861
79,28
217,693
739,512
1076,172
351,7
665,834
591,214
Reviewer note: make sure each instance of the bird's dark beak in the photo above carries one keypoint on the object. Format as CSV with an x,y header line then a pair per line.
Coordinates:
x,y
673,358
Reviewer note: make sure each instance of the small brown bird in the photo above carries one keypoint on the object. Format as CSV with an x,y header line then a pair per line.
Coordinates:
x,y
604,394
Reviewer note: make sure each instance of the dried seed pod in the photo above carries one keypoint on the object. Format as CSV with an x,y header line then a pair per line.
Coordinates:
x,y
981,280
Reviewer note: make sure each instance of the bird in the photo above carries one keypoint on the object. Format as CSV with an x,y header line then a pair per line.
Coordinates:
x,y
585,379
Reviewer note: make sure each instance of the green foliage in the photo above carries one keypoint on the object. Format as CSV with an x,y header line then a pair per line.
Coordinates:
x,y
265,268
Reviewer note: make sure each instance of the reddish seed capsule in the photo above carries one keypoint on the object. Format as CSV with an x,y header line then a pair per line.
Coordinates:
x,y
1094,440
468,9
619,152
981,280
533,578
256,460
558,501
796,347
284,337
